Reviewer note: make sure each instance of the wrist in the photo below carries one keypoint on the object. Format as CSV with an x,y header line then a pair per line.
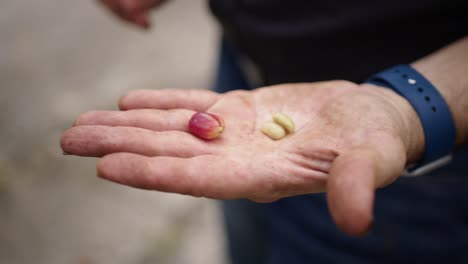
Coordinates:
x,y
406,120
446,86
433,112
446,69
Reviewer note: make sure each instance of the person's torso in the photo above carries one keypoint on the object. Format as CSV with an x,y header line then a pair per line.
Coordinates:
x,y
416,220
338,39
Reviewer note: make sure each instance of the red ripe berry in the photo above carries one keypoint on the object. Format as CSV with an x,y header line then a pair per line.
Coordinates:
x,y
206,126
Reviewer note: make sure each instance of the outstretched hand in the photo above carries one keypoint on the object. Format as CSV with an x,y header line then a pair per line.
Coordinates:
x,y
349,140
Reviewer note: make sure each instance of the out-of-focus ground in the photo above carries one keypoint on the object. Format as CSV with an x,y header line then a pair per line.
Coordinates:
x,y
59,58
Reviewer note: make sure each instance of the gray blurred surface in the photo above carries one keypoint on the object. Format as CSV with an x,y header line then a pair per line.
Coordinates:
x,y
59,58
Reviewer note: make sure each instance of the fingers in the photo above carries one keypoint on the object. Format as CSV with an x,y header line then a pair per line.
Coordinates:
x,y
353,178
97,141
152,119
141,20
134,11
197,100
206,175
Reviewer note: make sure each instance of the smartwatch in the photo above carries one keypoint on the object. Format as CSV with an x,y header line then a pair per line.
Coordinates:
x,y
433,112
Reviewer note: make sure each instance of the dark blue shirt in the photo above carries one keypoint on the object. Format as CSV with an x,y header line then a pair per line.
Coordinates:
x,y
338,39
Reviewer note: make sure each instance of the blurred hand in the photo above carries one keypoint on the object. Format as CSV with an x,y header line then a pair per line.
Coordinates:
x,y
133,11
350,140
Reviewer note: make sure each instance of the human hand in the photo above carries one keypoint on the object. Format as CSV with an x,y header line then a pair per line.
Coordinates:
x,y
133,11
350,140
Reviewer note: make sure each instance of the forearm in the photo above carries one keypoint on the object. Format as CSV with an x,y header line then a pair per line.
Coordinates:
x,y
447,69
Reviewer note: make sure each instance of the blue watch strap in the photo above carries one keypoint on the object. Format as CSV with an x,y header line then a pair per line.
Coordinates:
x,y
433,111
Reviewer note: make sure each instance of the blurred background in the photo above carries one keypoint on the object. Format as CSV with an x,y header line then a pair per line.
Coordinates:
x,y
59,58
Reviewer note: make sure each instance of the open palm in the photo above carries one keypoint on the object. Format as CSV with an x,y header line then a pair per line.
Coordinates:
x,y
349,140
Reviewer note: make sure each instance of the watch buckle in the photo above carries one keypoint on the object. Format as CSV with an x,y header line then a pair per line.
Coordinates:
x,y
418,171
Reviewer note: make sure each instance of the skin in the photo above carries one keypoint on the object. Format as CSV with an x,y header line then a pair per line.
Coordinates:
x,y
350,139
135,12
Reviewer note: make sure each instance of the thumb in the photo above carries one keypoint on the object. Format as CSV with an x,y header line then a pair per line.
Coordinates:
x,y
354,176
